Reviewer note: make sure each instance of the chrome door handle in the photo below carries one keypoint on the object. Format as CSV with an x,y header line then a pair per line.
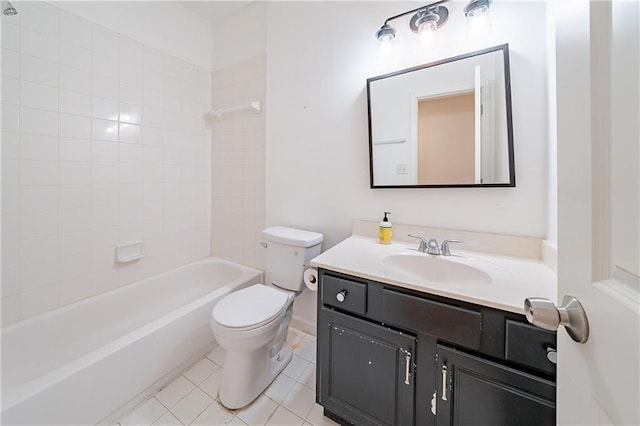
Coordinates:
x,y
407,366
444,382
544,314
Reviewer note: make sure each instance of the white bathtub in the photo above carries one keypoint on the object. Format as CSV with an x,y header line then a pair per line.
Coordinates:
x,y
83,363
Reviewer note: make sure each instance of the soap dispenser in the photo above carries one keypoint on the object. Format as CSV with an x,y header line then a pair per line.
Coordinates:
x,y
385,230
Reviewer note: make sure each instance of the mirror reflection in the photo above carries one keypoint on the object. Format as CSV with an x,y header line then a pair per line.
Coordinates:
x,y
443,124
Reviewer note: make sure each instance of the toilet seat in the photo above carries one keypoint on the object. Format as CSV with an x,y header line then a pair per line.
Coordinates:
x,y
250,308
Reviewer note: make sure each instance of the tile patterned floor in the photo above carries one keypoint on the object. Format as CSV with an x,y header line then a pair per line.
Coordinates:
x,y
192,397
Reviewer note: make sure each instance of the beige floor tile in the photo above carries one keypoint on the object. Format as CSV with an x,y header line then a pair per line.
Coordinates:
x,y
280,387
175,391
300,400
316,417
258,412
294,336
212,384
308,377
284,417
306,349
145,414
190,407
296,367
217,355
199,371
214,414
168,420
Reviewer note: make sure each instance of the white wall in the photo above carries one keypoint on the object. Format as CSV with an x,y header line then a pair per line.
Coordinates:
x,y
238,139
317,147
163,25
104,142
317,174
241,36
237,164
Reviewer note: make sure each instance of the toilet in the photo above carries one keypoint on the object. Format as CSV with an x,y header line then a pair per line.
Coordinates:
x,y
251,324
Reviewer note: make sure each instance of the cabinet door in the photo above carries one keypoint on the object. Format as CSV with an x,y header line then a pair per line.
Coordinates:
x,y
367,371
474,391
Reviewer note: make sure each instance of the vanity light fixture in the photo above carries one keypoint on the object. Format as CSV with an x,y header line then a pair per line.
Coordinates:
x,y
386,33
426,22
476,8
478,23
8,9
427,19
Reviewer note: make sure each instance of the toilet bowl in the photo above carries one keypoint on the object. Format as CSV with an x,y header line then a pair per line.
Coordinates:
x,y
251,324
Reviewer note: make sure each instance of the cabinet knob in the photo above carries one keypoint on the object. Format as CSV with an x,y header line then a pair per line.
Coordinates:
x,y
552,355
341,296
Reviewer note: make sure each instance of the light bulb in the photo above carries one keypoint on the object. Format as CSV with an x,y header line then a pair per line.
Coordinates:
x,y
386,47
479,22
427,32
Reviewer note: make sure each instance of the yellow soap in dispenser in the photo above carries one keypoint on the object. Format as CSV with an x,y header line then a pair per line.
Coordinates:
x,y
385,230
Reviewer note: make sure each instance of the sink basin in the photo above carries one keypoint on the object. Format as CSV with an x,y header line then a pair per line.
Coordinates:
x,y
438,269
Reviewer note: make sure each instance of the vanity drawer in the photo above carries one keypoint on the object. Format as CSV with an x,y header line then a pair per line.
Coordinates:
x,y
348,295
528,345
447,322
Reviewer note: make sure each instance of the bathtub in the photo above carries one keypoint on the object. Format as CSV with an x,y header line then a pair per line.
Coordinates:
x,y
86,362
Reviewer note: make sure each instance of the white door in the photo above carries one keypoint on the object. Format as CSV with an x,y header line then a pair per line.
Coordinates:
x,y
597,85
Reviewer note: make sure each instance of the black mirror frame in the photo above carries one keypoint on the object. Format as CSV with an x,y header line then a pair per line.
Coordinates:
x,y
507,81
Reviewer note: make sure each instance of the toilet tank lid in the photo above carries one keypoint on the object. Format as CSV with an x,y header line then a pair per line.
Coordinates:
x,y
292,236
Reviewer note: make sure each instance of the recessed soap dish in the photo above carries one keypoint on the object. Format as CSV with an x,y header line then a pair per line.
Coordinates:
x,y
129,252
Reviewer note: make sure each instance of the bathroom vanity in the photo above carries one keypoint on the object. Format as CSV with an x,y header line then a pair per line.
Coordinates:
x,y
396,349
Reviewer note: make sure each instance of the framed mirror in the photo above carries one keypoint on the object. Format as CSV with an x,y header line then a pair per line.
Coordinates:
x,y
443,124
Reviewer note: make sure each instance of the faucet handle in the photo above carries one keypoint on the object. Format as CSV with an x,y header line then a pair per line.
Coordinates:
x,y
423,243
445,247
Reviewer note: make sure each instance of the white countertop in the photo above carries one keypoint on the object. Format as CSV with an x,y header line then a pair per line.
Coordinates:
x,y
513,278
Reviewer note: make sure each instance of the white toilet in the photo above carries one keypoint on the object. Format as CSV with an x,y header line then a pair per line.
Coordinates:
x,y
251,324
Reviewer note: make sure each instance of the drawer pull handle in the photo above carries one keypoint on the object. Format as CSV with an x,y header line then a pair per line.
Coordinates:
x,y
341,296
444,382
552,355
407,367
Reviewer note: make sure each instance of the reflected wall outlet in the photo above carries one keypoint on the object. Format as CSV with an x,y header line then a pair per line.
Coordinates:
x,y
402,169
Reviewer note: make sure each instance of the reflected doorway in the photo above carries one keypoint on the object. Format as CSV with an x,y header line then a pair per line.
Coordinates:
x,y
446,140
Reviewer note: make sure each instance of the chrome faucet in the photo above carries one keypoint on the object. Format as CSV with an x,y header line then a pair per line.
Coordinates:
x,y
432,247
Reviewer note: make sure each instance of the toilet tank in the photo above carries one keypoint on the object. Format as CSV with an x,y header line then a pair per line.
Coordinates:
x,y
287,252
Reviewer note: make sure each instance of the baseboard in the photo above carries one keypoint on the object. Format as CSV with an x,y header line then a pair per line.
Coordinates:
x,y
303,324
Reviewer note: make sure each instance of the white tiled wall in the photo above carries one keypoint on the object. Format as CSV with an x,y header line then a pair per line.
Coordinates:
x,y
104,141
237,165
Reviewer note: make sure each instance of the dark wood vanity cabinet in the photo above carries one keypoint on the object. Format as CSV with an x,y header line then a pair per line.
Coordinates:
x,y
369,371
476,391
393,356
